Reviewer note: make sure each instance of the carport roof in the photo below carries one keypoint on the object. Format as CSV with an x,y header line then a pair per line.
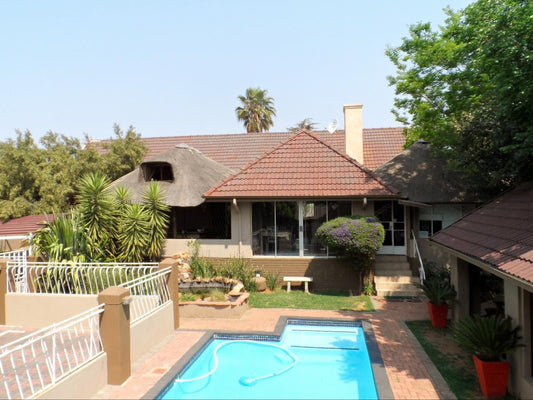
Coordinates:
x,y
499,234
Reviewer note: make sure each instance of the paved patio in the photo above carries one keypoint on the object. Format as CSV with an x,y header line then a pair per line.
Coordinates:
x,y
410,372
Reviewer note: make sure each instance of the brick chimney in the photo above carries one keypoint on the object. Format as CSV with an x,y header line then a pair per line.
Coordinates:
x,y
353,130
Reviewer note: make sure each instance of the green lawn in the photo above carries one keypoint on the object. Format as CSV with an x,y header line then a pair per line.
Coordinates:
x,y
339,301
456,366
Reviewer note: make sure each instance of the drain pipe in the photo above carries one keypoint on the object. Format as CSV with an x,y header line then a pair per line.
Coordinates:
x,y
240,223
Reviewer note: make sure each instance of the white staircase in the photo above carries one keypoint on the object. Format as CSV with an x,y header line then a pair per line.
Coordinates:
x,y
393,277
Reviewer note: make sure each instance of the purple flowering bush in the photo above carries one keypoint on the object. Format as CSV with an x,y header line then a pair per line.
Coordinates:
x,y
352,236
357,238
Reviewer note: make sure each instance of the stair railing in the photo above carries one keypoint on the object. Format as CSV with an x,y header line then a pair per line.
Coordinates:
x,y
421,270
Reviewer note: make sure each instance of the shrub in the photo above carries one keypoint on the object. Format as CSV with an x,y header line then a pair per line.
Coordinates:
x,y
272,279
358,238
200,267
349,236
240,269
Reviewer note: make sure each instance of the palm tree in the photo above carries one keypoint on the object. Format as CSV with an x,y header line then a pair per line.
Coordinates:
x,y
306,123
257,110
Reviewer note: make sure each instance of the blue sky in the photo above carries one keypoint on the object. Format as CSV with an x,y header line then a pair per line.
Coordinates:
x,y
177,67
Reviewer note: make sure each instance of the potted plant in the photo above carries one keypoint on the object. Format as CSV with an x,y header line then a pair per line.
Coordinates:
x,y
489,339
439,292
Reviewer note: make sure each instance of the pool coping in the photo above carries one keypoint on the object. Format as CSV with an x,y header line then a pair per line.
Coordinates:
x,y
383,387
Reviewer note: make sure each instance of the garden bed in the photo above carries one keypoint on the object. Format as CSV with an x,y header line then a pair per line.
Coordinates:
x,y
231,308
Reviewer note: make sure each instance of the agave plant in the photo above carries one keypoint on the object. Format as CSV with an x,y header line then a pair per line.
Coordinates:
x,y
489,338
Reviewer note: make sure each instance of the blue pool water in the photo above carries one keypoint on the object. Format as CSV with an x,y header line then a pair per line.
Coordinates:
x,y
308,362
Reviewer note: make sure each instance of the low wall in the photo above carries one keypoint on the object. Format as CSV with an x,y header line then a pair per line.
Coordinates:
x,y
150,331
327,273
37,310
84,383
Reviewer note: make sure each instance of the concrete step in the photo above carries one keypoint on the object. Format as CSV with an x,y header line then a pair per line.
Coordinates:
x,y
398,293
398,266
395,286
396,278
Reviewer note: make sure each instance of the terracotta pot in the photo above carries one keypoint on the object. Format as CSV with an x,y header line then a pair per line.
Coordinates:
x,y
493,377
438,315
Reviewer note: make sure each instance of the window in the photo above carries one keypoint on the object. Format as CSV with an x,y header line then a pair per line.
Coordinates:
x,y
391,215
287,228
206,221
429,227
157,171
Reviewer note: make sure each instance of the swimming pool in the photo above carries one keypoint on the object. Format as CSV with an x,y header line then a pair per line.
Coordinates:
x,y
319,359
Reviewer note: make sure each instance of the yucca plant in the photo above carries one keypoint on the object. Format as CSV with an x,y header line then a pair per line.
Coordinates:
x,y
98,213
157,210
134,233
489,338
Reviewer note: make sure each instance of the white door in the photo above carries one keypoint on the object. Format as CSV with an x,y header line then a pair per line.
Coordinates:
x,y
392,216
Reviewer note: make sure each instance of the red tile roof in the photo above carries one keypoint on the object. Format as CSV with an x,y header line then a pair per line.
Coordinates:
x,y
24,225
236,151
499,234
303,166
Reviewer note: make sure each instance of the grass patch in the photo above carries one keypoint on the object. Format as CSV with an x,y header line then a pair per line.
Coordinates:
x,y
455,365
326,300
457,369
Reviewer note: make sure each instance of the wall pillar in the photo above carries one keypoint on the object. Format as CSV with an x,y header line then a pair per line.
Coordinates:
x,y
173,287
460,279
3,291
115,333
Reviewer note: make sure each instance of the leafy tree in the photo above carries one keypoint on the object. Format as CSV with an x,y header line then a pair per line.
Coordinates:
x,y
43,179
306,123
467,88
256,111
123,153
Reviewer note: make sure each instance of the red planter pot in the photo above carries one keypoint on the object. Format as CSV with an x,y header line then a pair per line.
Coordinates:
x,y
493,377
438,315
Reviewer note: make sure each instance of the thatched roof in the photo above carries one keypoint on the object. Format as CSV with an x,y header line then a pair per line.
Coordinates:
x,y
193,174
421,177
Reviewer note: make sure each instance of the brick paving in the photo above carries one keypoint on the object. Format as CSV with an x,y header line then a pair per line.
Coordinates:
x,y
410,373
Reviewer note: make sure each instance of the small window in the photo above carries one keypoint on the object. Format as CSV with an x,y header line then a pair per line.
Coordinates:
x,y
157,172
428,227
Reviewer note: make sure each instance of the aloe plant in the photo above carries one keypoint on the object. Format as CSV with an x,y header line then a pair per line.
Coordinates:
x,y
489,338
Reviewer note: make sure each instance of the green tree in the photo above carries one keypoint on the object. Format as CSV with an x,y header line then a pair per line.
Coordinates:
x,y
134,233
123,153
306,123
467,88
256,111
43,178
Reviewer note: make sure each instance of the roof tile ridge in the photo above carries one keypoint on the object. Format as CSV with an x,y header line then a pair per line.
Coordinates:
x,y
242,171
354,162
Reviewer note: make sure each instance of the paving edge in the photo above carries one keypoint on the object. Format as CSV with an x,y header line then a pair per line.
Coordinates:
x,y
442,388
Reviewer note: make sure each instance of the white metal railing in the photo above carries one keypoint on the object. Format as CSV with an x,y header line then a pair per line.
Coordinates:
x,y
148,293
72,278
37,361
21,258
421,270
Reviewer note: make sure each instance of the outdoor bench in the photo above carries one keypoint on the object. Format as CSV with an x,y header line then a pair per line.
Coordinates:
x,y
304,279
